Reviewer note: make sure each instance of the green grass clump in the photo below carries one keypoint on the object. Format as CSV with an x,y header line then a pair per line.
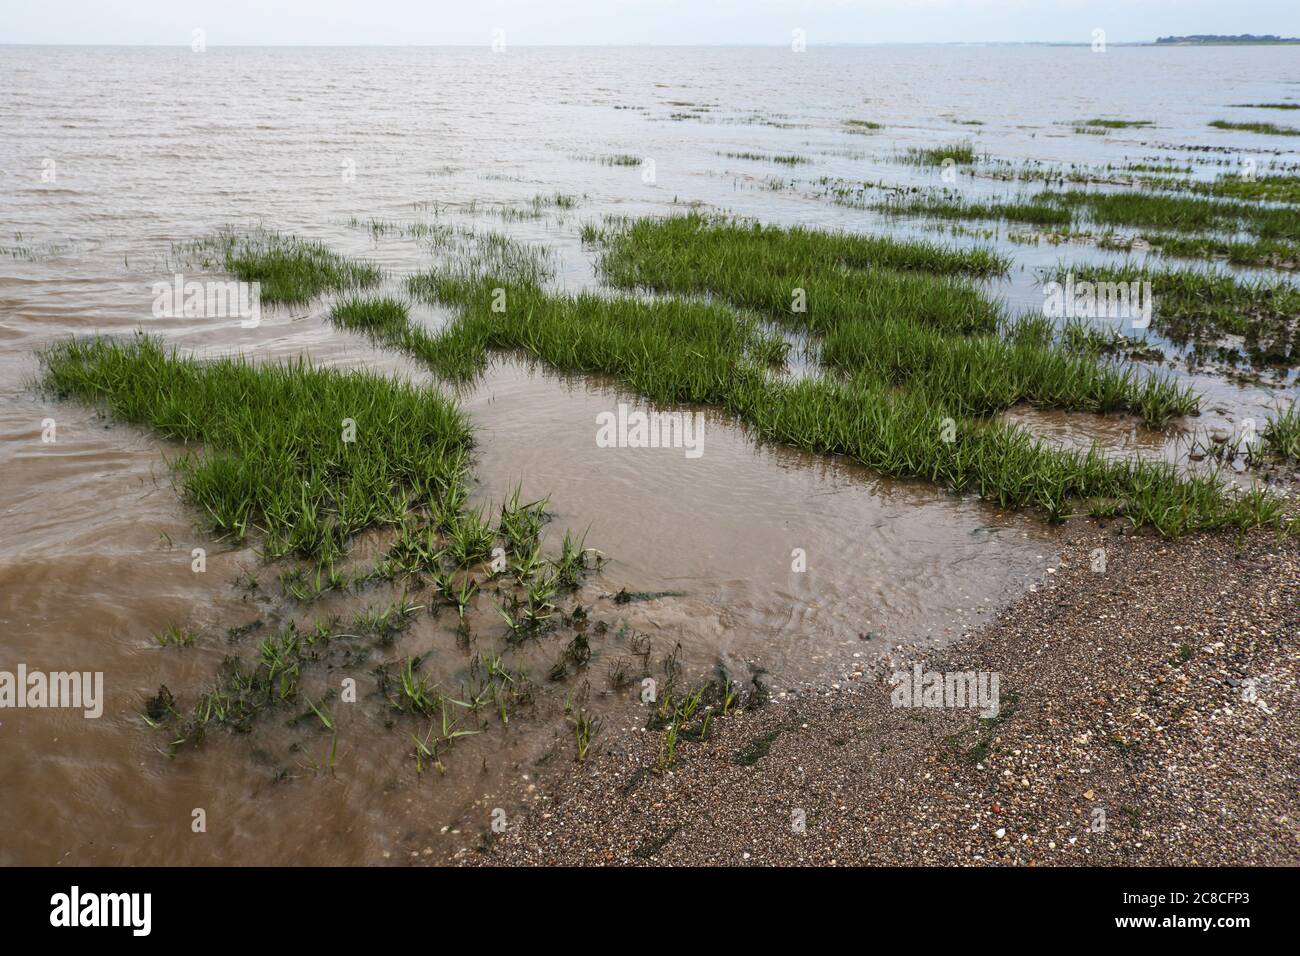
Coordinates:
x,y
1114,123
1201,307
841,274
916,330
1180,213
963,154
791,159
1267,106
914,416
1282,433
861,124
670,350
276,454
378,317
1150,210
1274,188
1266,129
978,375
906,328
291,271
1268,253
953,207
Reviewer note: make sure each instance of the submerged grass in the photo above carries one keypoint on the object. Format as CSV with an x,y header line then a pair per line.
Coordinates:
x,y
963,154
1141,209
1266,129
291,271
949,206
1114,123
1279,187
1184,213
1268,253
308,456
1201,306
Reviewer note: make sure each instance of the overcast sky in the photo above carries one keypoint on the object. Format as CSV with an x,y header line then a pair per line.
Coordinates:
x,y
433,22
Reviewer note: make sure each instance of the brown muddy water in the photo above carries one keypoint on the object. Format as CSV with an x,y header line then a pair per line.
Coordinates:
x,y
111,156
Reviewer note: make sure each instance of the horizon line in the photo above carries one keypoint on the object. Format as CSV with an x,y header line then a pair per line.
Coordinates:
x,y
416,46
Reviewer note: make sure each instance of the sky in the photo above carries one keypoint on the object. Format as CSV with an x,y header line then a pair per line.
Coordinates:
x,y
599,22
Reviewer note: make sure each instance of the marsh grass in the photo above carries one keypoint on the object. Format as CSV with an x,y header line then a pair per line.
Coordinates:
x,y
1201,306
275,455
1267,253
963,154
1183,213
1281,433
176,636
788,159
292,271
1142,209
663,254
898,327
1114,123
1279,187
949,206
1265,129
902,419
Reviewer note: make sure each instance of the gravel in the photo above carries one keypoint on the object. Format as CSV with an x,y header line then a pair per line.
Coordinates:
x,y
1148,716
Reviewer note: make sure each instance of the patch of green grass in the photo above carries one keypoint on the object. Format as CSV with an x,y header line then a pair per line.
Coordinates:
x,y
1164,168
693,253
949,206
1180,213
790,159
1064,208
291,271
903,420
277,454
1267,106
1267,253
1281,433
1200,307
670,350
1266,129
1273,188
979,375
963,154
1114,123
896,327
862,125
176,636
378,317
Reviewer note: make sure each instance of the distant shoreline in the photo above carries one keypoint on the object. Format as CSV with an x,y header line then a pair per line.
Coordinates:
x,y
1160,42
1218,39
